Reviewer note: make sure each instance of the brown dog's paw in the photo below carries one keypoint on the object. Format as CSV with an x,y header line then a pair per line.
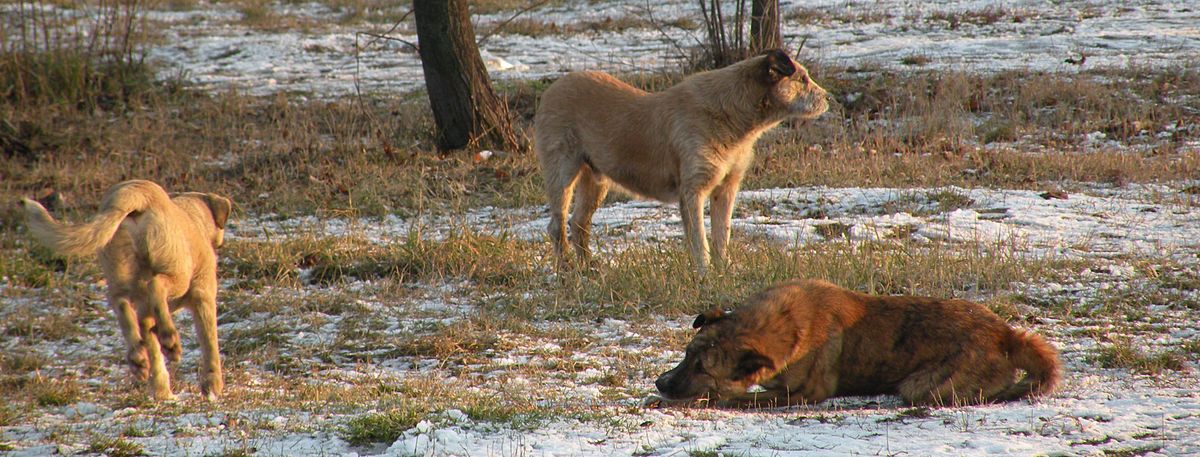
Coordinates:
x,y
653,401
139,365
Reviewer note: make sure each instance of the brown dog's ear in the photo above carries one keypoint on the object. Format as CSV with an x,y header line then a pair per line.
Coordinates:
x,y
750,363
779,65
220,208
709,317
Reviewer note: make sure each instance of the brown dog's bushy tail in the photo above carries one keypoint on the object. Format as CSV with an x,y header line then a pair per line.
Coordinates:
x,y
1039,359
85,239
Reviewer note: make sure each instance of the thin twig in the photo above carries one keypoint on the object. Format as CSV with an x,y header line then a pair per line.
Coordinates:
x,y
501,26
386,37
389,31
661,29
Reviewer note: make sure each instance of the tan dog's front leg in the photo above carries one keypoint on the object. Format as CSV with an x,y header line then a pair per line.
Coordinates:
x,y
203,305
204,314
721,214
691,208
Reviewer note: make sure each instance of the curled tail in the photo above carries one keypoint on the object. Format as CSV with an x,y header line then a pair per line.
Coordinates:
x,y
1032,353
87,238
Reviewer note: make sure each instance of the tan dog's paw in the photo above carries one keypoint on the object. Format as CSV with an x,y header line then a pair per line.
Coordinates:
x,y
212,388
139,365
168,341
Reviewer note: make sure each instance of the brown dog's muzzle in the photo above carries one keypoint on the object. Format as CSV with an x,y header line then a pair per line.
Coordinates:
x,y
676,385
664,385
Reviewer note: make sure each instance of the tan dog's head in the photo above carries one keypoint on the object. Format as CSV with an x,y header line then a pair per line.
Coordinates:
x,y
789,86
721,361
218,208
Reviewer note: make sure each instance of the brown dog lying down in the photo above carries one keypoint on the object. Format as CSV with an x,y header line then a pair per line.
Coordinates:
x,y
158,254
805,341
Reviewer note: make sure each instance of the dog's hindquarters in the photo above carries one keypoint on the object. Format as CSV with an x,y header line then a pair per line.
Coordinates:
x,y
1030,352
88,238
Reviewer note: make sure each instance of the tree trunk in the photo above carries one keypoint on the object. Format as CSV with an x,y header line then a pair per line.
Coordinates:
x,y
465,108
764,26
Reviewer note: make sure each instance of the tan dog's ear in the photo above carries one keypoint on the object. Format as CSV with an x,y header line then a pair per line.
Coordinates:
x,y
750,363
709,317
779,65
220,208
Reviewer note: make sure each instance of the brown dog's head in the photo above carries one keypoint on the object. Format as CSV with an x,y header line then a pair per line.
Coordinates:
x,y
720,362
790,87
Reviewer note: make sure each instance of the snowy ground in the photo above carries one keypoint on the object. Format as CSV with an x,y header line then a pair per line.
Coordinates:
x,y
1137,241
209,47
1097,410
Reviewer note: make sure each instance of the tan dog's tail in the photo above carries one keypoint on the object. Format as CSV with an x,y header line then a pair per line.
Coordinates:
x,y
1038,358
85,239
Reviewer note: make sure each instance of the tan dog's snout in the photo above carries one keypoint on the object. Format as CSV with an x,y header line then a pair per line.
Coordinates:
x,y
812,100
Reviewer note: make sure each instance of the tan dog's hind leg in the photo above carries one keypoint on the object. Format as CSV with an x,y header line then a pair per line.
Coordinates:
x,y
135,351
691,209
160,380
560,185
156,299
202,302
721,213
590,190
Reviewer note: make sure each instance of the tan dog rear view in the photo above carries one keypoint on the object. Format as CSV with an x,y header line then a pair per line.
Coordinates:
x,y
684,144
158,255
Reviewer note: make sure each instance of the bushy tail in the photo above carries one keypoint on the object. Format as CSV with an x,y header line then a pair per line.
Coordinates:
x,y
1038,358
85,239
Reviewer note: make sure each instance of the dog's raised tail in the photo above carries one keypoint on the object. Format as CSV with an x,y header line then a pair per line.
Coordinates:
x,y
88,238
1039,359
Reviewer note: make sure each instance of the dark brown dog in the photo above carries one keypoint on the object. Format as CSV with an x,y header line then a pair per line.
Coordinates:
x,y
805,341
685,144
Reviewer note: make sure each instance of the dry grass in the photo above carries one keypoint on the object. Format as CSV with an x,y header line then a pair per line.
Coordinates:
x,y
346,158
987,15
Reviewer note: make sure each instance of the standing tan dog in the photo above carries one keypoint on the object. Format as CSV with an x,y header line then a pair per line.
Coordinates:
x,y
805,341
684,144
158,254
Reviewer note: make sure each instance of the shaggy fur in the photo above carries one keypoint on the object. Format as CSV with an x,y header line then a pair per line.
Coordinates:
x,y
806,341
685,144
158,254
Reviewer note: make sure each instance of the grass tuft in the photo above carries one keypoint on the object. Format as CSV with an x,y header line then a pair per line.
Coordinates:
x,y
1123,354
116,447
54,392
384,427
